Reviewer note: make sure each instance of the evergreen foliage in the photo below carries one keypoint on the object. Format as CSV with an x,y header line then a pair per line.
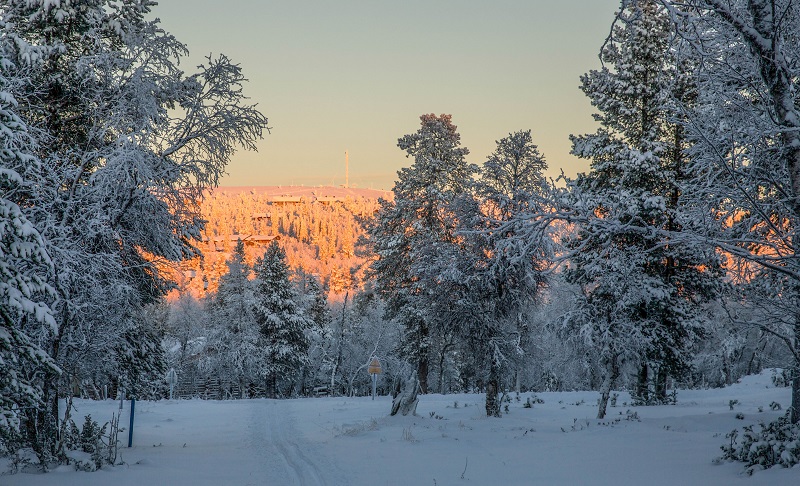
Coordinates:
x,y
283,323
24,269
409,230
762,446
642,291
235,354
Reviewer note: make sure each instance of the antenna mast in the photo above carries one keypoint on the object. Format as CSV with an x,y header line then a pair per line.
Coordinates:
x,y
346,169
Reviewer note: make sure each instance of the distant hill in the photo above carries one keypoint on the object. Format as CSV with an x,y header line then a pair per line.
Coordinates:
x,y
318,227
305,191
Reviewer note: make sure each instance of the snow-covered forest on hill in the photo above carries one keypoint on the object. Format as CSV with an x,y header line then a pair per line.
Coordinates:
x,y
318,227
666,271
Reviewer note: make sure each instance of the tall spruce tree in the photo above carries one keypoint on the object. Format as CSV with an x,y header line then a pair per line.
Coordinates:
x,y
24,268
237,356
283,323
641,290
408,230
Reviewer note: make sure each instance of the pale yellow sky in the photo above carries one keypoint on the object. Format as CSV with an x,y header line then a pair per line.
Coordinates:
x,y
356,75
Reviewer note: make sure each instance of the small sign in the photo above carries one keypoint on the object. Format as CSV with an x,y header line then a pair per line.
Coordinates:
x,y
374,366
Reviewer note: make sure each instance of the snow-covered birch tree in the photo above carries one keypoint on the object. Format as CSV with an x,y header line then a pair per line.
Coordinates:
x,y
128,143
745,129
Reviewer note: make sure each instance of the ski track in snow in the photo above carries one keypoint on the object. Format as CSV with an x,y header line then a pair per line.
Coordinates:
x,y
277,438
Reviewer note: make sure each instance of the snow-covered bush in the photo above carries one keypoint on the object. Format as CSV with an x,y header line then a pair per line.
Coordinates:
x,y
780,377
84,445
763,445
93,445
12,447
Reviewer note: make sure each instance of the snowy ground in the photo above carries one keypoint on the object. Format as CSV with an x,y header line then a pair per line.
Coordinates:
x,y
352,441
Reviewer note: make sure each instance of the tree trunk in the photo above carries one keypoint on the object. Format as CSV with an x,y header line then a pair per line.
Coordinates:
x,y
272,385
661,384
405,401
642,391
611,373
492,386
422,373
442,357
440,387
726,369
795,413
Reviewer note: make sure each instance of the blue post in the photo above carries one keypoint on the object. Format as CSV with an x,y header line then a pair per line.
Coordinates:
x,y
130,430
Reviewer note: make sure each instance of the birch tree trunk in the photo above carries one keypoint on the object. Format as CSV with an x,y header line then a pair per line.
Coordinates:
x,y
405,401
611,374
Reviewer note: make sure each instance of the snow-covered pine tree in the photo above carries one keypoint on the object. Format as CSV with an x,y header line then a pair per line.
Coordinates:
x,y
408,230
24,265
511,178
283,324
745,126
124,137
487,274
236,356
141,363
641,289
316,303
511,186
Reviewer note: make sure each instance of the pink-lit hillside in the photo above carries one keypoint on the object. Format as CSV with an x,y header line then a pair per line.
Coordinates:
x,y
317,226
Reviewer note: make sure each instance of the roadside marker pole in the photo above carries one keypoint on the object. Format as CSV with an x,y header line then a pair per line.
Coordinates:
x,y
130,430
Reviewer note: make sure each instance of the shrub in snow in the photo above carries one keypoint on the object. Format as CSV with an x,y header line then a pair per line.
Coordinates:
x,y
20,459
653,399
780,377
632,416
91,446
762,446
531,400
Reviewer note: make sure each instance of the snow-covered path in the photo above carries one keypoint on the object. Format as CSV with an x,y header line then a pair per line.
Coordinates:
x,y
242,442
287,453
